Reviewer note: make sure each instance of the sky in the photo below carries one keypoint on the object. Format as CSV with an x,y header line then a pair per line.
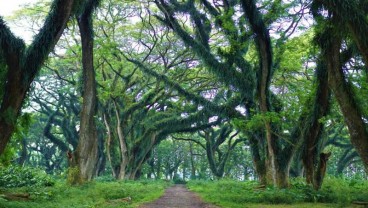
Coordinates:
x,y
7,7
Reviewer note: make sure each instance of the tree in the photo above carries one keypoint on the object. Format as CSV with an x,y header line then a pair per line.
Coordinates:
x,y
86,155
220,141
23,63
252,82
330,39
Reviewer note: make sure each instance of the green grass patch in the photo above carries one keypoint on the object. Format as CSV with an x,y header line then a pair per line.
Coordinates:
x,y
334,193
96,194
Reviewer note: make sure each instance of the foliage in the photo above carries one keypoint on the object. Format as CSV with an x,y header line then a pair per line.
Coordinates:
x,y
21,129
105,178
15,176
148,81
8,155
90,195
229,193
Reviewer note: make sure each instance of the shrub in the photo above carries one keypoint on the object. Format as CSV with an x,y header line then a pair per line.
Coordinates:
x,y
105,178
179,181
15,176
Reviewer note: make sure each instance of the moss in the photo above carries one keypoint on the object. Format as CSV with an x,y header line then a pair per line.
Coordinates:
x,y
74,176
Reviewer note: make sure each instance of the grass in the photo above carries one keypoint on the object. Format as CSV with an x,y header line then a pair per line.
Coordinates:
x,y
104,192
334,193
92,195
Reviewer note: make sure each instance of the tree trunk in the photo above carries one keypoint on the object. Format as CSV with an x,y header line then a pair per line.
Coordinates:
x,y
124,152
264,47
101,160
282,178
23,154
192,164
12,100
86,154
123,146
211,160
343,93
108,145
313,130
158,168
321,170
257,151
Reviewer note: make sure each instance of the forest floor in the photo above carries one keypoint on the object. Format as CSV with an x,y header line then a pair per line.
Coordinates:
x,y
178,196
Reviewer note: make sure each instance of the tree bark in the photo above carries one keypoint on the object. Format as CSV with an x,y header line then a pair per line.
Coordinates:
x,y
86,154
192,164
275,167
343,93
321,170
314,127
24,153
108,145
257,151
282,176
12,101
123,146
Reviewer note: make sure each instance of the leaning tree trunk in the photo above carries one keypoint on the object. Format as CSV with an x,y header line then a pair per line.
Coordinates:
x,y
86,154
140,154
343,93
24,63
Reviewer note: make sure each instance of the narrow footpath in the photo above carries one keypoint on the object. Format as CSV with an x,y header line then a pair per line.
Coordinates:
x,y
178,196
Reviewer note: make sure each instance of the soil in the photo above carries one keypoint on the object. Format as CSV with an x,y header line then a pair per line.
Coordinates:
x,y
178,196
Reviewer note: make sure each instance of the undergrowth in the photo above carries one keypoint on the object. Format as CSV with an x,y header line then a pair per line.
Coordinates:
x,y
106,192
336,192
101,193
15,176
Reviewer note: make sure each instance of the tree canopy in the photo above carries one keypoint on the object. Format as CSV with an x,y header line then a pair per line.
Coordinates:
x,y
244,89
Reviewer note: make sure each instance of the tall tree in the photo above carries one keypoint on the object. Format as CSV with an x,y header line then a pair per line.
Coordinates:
x,y
86,155
330,39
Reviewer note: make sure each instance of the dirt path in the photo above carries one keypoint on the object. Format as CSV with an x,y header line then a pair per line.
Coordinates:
x,y
178,196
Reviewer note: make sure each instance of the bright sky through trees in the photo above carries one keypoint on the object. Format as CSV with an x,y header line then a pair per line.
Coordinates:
x,y
7,8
